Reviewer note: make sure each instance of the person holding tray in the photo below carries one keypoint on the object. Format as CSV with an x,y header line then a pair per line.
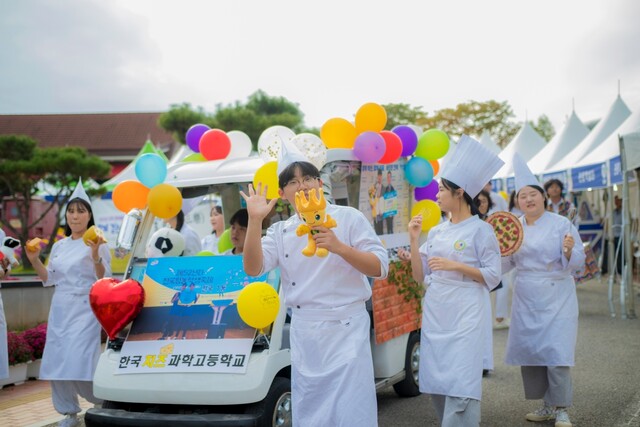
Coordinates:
x,y
544,313
459,263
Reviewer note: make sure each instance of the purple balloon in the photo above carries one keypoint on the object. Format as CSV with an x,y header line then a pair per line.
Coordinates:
x,y
408,137
369,147
193,136
427,193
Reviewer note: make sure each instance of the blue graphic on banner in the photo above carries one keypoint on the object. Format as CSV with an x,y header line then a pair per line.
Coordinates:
x,y
497,185
208,274
591,176
615,170
560,176
511,185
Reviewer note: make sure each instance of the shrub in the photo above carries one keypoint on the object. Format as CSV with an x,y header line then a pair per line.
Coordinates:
x,y
19,350
36,337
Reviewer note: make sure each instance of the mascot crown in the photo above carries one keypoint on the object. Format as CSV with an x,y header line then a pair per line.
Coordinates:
x,y
315,202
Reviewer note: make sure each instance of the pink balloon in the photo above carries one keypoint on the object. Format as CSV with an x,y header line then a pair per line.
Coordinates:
x,y
428,192
369,147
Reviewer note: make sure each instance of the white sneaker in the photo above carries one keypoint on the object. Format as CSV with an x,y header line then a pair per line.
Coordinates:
x,y
562,418
70,420
543,414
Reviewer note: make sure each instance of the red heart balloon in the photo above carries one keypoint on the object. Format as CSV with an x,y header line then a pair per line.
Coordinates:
x,y
115,304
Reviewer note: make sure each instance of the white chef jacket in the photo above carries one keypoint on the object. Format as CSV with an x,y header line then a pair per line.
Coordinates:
x,y
210,243
454,308
499,203
192,243
332,368
73,333
544,312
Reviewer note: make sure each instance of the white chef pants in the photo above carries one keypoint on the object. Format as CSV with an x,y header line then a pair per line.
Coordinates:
x,y
550,383
456,411
64,394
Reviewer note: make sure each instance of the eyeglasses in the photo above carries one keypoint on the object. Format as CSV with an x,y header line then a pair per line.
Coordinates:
x,y
307,181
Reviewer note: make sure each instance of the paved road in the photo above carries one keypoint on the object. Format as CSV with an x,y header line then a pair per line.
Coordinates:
x,y
606,377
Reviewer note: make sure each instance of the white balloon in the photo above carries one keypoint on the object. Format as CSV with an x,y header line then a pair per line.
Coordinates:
x,y
270,141
312,147
165,242
240,144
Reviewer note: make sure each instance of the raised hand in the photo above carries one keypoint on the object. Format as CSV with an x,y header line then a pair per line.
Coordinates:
x,y
257,206
415,227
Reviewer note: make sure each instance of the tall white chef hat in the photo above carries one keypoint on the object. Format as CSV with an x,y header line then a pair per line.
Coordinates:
x,y
471,166
289,154
79,193
524,176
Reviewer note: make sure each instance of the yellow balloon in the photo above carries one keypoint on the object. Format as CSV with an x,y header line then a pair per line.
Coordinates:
x,y
371,117
267,174
258,304
164,201
430,211
338,133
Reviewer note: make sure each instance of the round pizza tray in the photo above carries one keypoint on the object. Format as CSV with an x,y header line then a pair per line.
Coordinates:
x,y
508,230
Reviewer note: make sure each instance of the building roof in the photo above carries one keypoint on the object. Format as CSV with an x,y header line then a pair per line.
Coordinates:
x,y
115,137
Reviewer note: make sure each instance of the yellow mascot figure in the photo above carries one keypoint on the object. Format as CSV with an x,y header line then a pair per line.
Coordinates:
x,y
313,214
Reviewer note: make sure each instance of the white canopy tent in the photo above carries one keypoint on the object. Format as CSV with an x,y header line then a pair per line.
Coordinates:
x,y
488,142
527,143
617,114
560,145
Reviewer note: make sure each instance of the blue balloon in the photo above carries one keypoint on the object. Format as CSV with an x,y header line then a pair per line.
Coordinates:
x,y
151,170
418,171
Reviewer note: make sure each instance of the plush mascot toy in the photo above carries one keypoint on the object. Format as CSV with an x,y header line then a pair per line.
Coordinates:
x,y
313,214
8,251
165,242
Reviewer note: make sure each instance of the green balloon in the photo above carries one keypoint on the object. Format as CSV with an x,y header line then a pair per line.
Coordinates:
x,y
224,244
195,157
432,145
205,253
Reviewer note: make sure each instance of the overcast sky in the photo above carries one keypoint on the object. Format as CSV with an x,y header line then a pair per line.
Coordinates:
x,y
329,57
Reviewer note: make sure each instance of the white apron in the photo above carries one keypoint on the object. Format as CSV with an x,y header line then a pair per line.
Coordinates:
x,y
4,356
331,368
72,348
544,320
453,338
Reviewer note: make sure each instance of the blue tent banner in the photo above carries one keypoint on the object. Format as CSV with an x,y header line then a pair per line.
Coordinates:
x,y
615,170
590,176
511,185
497,185
560,176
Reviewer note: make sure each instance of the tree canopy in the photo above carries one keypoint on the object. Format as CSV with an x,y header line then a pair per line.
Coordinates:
x,y
23,165
260,112
471,118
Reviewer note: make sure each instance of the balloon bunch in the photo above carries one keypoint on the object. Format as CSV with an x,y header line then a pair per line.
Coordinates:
x,y
269,145
216,144
163,200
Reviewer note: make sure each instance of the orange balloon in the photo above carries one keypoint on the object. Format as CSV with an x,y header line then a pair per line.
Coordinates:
x,y
130,195
436,166
371,117
165,201
338,133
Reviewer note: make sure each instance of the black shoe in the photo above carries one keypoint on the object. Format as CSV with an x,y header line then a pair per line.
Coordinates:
x,y
485,372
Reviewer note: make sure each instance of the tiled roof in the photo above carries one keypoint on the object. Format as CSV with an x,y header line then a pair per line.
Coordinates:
x,y
104,134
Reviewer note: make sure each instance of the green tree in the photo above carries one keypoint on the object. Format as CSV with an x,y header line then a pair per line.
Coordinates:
x,y
473,117
23,165
403,114
544,127
180,118
260,112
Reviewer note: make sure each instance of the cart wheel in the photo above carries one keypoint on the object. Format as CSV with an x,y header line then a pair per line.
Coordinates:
x,y
409,386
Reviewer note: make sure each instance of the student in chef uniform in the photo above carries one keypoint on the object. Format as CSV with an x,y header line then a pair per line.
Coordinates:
x,y
73,333
459,263
210,241
331,365
544,312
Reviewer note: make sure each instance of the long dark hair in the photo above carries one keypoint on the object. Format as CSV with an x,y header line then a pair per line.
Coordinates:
x,y
467,198
179,220
87,206
476,201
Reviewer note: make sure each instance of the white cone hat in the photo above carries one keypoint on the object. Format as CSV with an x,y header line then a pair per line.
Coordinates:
x,y
524,176
289,154
79,193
